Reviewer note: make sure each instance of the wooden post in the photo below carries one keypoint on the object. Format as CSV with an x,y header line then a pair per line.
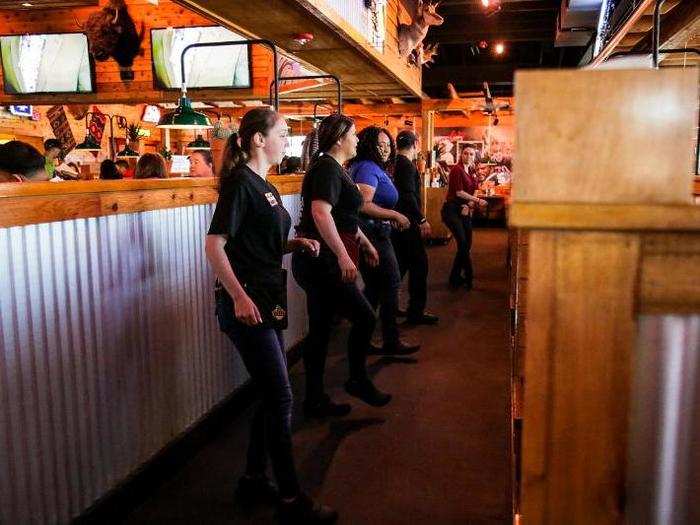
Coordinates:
x,y
603,157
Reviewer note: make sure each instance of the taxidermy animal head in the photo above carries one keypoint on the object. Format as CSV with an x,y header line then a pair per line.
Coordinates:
x,y
112,33
411,36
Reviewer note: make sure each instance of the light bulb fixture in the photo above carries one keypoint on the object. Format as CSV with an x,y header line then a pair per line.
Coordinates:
x,y
499,48
184,116
199,144
89,144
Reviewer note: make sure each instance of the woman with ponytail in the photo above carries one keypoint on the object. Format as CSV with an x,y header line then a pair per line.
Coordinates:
x,y
247,238
330,214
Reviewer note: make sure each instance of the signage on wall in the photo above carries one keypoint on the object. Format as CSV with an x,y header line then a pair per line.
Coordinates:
x,y
97,124
61,127
22,111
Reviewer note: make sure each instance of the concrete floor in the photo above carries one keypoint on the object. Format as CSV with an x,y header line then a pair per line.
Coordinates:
x,y
437,454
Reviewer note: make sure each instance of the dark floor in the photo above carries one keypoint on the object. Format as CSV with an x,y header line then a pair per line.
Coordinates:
x,y
438,454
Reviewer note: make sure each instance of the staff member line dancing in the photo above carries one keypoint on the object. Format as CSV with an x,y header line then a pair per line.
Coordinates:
x,y
246,241
375,152
457,215
408,244
330,213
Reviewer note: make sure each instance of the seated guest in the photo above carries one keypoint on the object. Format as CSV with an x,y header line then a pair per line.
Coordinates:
x,y
150,166
52,151
292,165
201,163
123,167
21,162
109,170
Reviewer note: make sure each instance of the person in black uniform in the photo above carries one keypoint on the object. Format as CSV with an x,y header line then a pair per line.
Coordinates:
x,y
331,203
408,243
247,239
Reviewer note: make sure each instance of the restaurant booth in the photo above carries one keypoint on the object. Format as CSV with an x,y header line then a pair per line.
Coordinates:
x,y
110,354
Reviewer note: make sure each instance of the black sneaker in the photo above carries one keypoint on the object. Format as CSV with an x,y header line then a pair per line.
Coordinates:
x,y
457,283
256,490
303,511
365,390
425,318
326,408
396,349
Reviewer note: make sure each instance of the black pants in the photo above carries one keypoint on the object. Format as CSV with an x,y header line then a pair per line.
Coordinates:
x,y
412,258
382,282
327,295
461,228
262,351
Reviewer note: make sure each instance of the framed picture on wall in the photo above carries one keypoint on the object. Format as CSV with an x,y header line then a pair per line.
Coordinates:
x,y
478,145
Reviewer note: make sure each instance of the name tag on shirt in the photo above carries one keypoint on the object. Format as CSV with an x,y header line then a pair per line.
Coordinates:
x,y
271,199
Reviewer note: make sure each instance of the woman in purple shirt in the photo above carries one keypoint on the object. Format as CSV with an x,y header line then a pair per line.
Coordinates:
x,y
375,151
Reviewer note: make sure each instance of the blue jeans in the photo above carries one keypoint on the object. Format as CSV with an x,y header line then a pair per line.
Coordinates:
x,y
262,351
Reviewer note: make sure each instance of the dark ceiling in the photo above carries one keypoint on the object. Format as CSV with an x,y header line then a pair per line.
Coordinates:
x,y
526,27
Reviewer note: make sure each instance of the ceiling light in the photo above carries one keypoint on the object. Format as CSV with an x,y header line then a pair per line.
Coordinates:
x,y
184,117
499,48
485,3
26,4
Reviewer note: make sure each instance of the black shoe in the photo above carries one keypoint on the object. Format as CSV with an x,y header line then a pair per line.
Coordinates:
x,y
401,313
457,283
256,490
326,408
396,349
424,318
303,511
365,390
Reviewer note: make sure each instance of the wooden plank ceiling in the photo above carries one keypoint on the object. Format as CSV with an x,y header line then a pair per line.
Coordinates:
x,y
336,48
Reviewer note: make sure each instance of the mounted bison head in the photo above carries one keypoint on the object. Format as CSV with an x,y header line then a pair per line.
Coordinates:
x,y
112,33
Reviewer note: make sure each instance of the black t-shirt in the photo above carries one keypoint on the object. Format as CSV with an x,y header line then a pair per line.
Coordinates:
x,y
250,212
407,182
328,181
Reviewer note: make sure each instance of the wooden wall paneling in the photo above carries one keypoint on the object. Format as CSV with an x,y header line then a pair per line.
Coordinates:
x,y
538,364
109,88
595,279
580,334
670,253
41,202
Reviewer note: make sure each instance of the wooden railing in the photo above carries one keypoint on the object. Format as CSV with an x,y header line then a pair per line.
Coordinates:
x,y
38,202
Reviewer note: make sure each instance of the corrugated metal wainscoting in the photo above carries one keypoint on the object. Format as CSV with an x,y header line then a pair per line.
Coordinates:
x,y
109,349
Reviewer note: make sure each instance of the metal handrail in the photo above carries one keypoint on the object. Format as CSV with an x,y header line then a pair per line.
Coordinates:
x,y
339,93
268,43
